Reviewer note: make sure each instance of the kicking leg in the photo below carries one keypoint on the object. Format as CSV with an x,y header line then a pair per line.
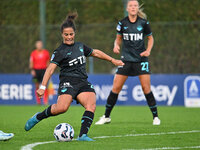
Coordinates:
x,y
62,106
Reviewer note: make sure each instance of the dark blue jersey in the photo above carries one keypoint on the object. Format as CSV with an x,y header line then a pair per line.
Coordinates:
x,y
72,60
133,34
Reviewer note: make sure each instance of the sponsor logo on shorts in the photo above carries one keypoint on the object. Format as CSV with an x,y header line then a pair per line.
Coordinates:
x,y
66,85
64,90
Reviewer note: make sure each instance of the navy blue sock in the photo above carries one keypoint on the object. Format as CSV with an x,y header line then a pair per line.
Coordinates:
x,y
45,114
86,122
152,104
111,101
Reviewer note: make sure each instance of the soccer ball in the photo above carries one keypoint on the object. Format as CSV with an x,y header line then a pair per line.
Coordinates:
x,y
63,132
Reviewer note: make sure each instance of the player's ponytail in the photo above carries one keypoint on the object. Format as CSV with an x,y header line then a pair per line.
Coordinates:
x,y
140,12
70,21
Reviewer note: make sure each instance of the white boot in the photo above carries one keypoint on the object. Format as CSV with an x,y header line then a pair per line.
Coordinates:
x,y
156,121
5,136
103,120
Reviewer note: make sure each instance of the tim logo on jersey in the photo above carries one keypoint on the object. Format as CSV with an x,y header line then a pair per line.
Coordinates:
x,y
133,36
78,60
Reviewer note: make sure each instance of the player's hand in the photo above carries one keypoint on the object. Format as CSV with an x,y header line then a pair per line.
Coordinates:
x,y
145,53
40,93
117,62
116,49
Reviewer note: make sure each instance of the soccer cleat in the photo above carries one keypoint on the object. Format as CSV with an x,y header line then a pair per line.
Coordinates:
x,y
5,136
31,122
84,137
156,121
103,120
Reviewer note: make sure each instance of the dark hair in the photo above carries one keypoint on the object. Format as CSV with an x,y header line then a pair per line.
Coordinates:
x,y
69,21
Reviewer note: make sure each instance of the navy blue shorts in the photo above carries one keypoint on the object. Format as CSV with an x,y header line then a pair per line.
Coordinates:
x,y
134,69
74,86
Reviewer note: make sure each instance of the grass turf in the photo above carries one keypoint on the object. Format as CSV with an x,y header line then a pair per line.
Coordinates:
x,y
125,120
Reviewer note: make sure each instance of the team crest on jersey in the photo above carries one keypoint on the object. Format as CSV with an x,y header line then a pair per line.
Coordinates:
x,y
81,49
125,28
69,53
139,28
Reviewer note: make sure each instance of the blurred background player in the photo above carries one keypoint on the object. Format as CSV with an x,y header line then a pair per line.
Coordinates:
x,y
39,60
5,136
132,30
70,56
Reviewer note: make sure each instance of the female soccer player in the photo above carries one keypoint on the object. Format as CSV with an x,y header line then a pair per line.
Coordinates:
x,y
70,56
132,31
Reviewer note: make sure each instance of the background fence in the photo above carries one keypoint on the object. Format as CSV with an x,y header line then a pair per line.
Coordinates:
x,y
175,25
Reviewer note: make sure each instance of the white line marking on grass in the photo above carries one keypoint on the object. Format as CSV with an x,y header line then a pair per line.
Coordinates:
x,y
187,147
146,134
30,146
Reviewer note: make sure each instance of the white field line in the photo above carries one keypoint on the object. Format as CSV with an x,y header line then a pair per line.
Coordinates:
x,y
161,148
30,146
145,134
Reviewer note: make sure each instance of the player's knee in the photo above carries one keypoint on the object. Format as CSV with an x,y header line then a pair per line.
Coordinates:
x,y
62,109
91,107
146,89
116,89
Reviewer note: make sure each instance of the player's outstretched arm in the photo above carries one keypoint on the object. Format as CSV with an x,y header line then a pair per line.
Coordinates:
x,y
48,73
99,54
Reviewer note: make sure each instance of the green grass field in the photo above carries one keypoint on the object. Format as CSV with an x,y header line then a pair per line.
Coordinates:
x,y
126,120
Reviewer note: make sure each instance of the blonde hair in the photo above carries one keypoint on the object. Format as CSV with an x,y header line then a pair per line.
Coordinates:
x,y
140,12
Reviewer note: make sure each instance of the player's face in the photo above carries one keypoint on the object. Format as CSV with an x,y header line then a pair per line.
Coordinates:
x,y
132,8
68,35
